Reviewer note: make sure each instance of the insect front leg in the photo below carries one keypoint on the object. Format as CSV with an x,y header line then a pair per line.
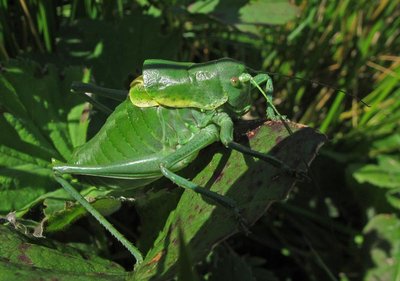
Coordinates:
x,y
269,90
271,111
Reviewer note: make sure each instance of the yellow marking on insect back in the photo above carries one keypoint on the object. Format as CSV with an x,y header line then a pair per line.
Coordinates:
x,y
138,94
175,102
183,101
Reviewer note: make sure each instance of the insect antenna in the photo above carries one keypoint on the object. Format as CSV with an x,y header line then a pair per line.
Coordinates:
x,y
313,82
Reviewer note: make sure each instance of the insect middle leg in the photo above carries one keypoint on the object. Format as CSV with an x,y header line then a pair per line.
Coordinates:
x,y
226,137
207,136
225,201
298,174
99,217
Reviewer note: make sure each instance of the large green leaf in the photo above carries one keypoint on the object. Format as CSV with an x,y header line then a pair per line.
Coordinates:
x,y
39,120
245,15
23,258
253,184
385,174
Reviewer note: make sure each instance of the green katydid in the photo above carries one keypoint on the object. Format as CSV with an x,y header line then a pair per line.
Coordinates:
x,y
172,112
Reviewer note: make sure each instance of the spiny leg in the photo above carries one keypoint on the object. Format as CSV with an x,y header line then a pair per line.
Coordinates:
x,y
184,183
99,217
221,199
205,137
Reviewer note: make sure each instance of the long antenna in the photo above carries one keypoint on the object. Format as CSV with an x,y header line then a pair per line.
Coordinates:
x,y
314,82
321,84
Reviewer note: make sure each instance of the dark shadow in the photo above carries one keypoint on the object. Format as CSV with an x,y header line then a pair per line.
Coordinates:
x,y
217,174
253,184
161,262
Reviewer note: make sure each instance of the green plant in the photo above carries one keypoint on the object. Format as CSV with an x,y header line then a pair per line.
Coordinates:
x,y
342,225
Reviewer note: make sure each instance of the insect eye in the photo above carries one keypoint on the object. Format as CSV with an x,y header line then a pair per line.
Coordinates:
x,y
235,82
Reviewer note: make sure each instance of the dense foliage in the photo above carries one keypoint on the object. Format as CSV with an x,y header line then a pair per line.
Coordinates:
x,y
342,225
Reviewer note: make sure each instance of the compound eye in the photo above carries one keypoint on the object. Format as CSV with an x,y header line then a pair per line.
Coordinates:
x,y
235,82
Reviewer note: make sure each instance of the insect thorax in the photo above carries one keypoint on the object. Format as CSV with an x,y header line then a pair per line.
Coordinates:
x,y
204,86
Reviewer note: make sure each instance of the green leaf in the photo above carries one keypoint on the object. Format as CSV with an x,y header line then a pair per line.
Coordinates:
x,y
22,258
267,12
247,14
39,120
385,174
388,144
60,212
393,197
382,242
253,184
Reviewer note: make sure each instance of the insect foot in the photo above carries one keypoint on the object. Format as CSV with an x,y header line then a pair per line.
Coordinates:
x,y
274,117
298,174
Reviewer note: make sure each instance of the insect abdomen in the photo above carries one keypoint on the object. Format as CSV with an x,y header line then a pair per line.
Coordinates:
x,y
131,132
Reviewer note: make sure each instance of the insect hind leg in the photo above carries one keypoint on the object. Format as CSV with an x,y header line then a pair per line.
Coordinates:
x,y
220,199
99,217
205,137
